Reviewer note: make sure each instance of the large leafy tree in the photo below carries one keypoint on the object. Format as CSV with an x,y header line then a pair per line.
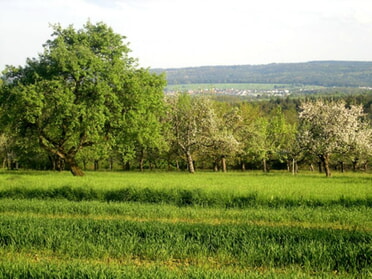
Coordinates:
x,y
75,93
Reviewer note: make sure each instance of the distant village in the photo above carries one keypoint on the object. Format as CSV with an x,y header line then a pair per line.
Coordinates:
x,y
280,92
254,93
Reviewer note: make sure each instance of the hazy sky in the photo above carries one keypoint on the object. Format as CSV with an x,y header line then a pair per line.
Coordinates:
x,y
180,33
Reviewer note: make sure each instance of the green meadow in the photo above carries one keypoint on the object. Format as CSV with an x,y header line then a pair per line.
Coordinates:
x,y
180,225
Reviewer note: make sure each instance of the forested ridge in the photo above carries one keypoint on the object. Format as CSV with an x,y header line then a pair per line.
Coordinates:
x,y
323,73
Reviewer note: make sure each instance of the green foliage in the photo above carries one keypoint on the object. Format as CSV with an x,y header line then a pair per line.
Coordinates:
x,y
269,137
83,89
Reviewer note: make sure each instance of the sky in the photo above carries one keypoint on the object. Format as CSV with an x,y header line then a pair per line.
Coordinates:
x,y
190,33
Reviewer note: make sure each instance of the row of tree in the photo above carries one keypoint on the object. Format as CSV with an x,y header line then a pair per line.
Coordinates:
x,y
84,101
320,130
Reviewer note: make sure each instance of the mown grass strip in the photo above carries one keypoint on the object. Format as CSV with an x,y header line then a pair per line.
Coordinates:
x,y
331,216
207,221
36,265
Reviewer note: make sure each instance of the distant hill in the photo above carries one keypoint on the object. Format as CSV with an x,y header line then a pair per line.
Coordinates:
x,y
322,73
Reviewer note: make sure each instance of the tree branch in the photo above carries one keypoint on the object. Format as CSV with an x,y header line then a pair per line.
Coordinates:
x,y
43,144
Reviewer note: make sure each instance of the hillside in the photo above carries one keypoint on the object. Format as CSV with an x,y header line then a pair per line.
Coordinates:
x,y
321,73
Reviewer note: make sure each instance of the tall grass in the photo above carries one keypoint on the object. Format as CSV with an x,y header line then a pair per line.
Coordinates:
x,y
28,269
176,225
231,244
334,217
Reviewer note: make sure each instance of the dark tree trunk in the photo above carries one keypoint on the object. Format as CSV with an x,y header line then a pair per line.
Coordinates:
x,y
65,157
355,164
57,162
53,162
61,164
141,164
127,166
96,165
74,168
324,158
320,166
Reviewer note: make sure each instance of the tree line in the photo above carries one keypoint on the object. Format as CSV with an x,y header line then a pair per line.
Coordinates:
x,y
84,103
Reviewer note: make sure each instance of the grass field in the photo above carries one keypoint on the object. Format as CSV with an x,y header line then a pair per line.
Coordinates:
x,y
177,225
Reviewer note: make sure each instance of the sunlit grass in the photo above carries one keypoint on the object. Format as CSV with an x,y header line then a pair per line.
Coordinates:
x,y
282,185
335,217
177,225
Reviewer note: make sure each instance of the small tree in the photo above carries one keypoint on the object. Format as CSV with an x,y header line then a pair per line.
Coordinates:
x,y
245,131
222,142
270,137
190,121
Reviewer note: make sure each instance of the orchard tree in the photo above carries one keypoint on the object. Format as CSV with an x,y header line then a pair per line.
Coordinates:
x,y
333,128
245,131
75,93
222,142
4,150
94,155
190,121
142,131
271,137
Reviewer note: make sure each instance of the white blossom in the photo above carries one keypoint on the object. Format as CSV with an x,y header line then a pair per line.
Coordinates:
x,y
332,127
